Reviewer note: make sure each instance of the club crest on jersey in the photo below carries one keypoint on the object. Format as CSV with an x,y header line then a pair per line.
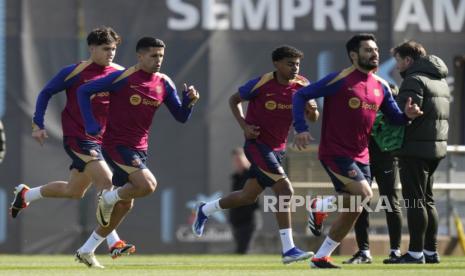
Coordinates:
x,y
376,92
354,102
352,173
136,162
93,153
158,89
270,105
135,99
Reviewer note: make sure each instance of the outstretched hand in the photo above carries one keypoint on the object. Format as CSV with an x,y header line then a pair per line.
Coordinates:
x,y
301,140
39,135
251,131
192,93
412,111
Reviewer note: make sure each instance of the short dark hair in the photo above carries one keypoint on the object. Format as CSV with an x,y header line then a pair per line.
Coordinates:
x,y
353,45
411,49
149,42
286,51
103,35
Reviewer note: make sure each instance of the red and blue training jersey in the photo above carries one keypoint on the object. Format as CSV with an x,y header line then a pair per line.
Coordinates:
x,y
70,78
135,96
270,107
352,99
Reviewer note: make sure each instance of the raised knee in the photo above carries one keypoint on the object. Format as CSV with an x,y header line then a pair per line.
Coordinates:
x,y
76,194
149,187
286,191
367,194
126,204
249,199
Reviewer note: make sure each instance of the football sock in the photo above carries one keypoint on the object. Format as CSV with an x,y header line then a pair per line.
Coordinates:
x,y
111,197
287,241
327,248
416,255
429,253
396,252
92,243
33,194
211,207
112,238
367,253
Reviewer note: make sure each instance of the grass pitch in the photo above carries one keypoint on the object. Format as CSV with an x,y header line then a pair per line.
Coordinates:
x,y
212,265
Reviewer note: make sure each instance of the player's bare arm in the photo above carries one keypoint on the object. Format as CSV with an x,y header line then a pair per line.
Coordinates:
x,y
235,103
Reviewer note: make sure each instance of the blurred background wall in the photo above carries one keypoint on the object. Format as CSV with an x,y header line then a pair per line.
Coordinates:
x,y
215,45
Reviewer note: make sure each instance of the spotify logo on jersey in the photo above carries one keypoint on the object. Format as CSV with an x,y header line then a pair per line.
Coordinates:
x,y
270,105
135,99
354,102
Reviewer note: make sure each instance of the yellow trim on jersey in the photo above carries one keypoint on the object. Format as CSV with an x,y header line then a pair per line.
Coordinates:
x,y
85,158
301,80
78,69
127,169
117,66
343,179
344,73
131,70
264,79
275,177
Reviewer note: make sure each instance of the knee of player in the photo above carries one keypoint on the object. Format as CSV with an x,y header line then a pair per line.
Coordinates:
x,y
367,194
150,186
286,189
249,199
126,204
76,194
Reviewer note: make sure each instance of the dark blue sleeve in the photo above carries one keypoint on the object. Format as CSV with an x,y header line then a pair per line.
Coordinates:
x,y
321,88
84,92
55,85
245,91
180,110
391,110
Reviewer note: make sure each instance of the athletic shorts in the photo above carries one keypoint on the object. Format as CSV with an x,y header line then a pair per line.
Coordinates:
x,y
344,170
123,162
265,163
81,152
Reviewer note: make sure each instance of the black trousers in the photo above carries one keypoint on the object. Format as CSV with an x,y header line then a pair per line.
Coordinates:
x,y
385,172
242,234
384,168
416,176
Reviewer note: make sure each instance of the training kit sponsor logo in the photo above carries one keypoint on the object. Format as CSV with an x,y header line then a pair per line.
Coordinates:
x,y
135,99
272,105
354,103
339,204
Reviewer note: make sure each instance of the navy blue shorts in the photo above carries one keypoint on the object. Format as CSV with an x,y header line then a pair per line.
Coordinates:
x,y
81,152
123,162
343,170
265,163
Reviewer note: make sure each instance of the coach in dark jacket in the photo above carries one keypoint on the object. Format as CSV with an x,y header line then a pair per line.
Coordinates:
x,y
425,144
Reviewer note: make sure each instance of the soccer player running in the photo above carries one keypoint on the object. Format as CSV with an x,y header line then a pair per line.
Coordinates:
x,y
135,96
87,165
351,99
266,128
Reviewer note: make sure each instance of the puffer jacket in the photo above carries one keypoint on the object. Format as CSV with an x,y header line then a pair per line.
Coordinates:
x,y
424,82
